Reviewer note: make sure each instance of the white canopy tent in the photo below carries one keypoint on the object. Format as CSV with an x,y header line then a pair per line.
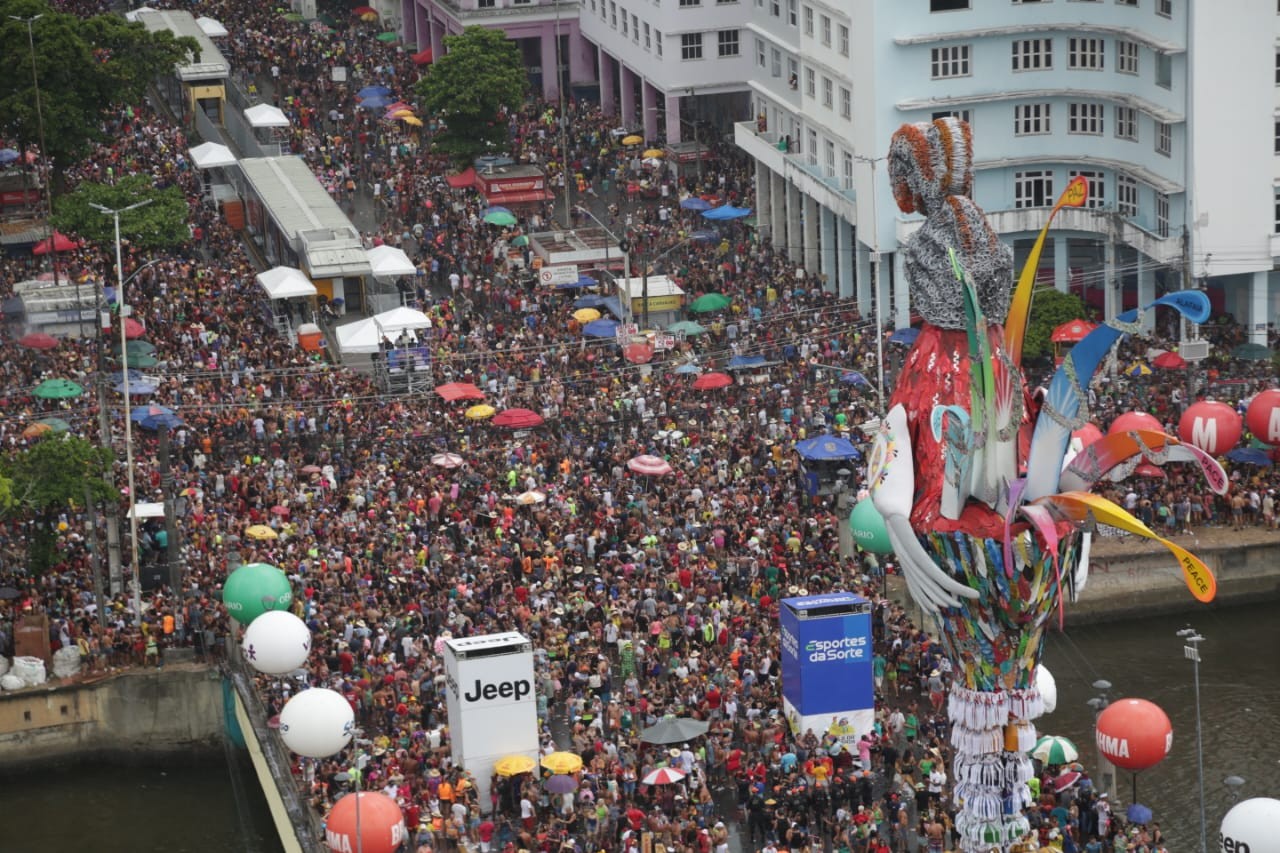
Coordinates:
x,y
285,283
389,262
133,16
266,115
147,509
400,320
360,336
212,28
211,155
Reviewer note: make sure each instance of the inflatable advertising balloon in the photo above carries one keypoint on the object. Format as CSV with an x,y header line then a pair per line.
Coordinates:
x,y
868,528
255,588
1048,687
1134,734
1251,827
1213,427
276,642
1263,417
380,821
1135,420
317,723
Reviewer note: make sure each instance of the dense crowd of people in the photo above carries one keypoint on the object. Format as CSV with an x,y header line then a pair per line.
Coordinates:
x,y
644,596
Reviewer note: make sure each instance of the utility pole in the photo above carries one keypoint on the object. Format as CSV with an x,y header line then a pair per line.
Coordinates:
x,y
875,280
566,168
94,556
172,563
112,508
1191,651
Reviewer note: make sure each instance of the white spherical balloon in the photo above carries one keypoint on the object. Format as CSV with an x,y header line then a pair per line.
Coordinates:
x,y
317,723
1047,686
1250,827
276,642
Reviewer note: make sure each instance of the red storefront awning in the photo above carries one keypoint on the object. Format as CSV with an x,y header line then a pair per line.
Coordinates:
x,y
519,197
462,179
422,57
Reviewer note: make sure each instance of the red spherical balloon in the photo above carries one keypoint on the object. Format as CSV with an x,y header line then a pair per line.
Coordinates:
x,y
1088,434
1263,417
1135,420
1134,734
1211,426
381,824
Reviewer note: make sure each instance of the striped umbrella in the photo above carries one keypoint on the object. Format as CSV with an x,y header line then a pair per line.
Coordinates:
x,y
1055,750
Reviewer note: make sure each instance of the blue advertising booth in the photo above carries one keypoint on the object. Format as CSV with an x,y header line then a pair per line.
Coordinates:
x,y
827,681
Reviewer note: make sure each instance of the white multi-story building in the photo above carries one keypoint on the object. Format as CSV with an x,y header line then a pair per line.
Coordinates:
x,y
1160,103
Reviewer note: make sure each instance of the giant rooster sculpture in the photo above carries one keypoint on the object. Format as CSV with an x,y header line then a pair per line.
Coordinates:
x,y
989,523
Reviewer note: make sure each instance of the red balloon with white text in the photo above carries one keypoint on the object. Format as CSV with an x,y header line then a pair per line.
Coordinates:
x,y
381,824
1263,417
1134,734
1211,426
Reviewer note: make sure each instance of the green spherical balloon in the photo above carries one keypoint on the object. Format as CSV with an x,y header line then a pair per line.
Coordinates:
x,y
868,528
255,588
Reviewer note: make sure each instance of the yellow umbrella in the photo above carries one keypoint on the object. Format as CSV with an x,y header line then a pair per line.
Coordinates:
x,y
586,315
480,412
514,765
654,152
633,139
369,17
401,113
562,763
412,121
260,531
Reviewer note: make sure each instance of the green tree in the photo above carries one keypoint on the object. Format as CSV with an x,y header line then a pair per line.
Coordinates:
x,y
1049,310
469,87
159,225
50,476
86,67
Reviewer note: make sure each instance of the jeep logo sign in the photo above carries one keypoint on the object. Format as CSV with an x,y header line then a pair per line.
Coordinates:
x,y
1230,845
488,692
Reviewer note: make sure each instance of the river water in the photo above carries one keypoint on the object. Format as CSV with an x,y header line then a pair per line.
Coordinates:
x,y
1239,706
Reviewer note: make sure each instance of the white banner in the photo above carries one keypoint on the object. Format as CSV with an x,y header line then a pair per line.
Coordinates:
x,y
559,274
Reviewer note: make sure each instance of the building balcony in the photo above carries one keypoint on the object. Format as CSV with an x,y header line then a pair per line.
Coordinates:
x,y
813,178
505,10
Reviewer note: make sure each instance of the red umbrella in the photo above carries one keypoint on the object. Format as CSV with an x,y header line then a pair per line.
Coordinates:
x,y
423,57
61,243
1146,469
650,466
663,776
638,353
1066,780
517,419
454,391
38,340
133,329
1169,361
711,381
280,509
364,10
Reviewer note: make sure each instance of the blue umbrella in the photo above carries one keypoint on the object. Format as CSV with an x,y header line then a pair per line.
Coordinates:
x,y
904,336
141,413
156,422
7,156
376,102
602,328
725,212
704,235
1250,456
591,300
853,377
140,387
1139,814
695,203
688,368
372,92
118,375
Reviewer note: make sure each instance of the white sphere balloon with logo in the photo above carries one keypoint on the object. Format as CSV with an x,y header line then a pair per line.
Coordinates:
x,y
317,723
1048,687
277,642
1251,826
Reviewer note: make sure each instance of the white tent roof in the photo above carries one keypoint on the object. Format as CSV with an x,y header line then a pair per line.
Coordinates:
x,y
399,319
265,115
360,336
147,509
212,28
133,16
285,283
388,261
211,155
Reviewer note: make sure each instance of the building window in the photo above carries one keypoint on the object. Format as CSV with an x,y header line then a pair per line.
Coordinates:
x,y
1097,187
635,29
824,30
1032,54
830,151
828,92
691,46
625,21
685,3
728,42
948,5
604,10
810,82
1032,189
657,42
846,103
761,56
1164,138
847,159
1164,71
1084,118
964,116
1133,3
1126,195
613,14
813,147
1030,119
648,42
1164,8
1085,54
1162,214
950,61
485,4
808,21
793,73
1126,57
775,65
775,8
1127,123
792,16
1275,226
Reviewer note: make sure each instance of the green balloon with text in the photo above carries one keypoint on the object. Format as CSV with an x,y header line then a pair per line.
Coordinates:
x,y
869,531
255,588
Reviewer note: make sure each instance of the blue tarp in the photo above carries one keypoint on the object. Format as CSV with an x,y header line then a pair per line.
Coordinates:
x,y
827,447
853,377
602,328
591,300
904,336
742,362
695,203
725,212
583,281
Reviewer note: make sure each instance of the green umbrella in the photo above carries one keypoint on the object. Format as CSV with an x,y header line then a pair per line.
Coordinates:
x,y
294,17
689,327
138,360
388,37
1052,749
522,240
56,424
57,389
138,347
710,302
327,20
499,217
1252,352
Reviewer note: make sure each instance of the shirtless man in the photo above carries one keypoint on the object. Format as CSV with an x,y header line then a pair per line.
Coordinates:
x,y
934,832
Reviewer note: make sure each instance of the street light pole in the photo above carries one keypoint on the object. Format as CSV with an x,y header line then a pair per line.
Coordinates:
x,y
875,279
564,123
128,419
1191,651
1106,772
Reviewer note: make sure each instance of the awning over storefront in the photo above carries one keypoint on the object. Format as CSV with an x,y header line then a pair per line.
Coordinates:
x,y
462,179
519,197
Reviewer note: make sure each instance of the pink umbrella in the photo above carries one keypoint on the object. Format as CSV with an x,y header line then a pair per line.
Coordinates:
x,y
447,460
711,381
38,340
133,329
1169,361
517,419
663,776
650,466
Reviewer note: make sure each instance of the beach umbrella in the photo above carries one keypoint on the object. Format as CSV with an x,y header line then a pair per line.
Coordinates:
x,y
1252,352
726,212
688,368
447,460
1065,780
695,204
56,424
60,243
138,360
141,413
38,340
1137,369
633,139
663,776
1139,814
136,347
260,532
689,328
57,389
500,217
712,381
374,102
1169,361
590,300
454,391
36,430
138,387
560,784
853,377
906,336
412,121
481,412
133,329
514,765
158,422
653,154
530,498
520,240
118,376
586,315
371,91
8,155
710,302
603,328
387,37
518,419
1055,750
674,730
1250,456
649,466
294,17
562,763
423,57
